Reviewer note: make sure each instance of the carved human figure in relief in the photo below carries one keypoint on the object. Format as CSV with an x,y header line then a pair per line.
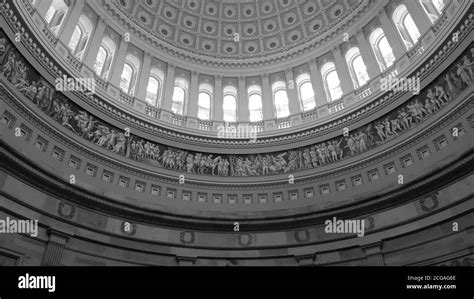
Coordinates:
x,y
103,132
306,158
362,138
461,71
332,151
441,94
406,118
429,107
388,127
3,43
337,148
85,123
265,166
379,127
396,126
111,140
189,163
226,167
151,153
351,144
156,152
119,147
197,161
416,110
7,69
19,77
469,66
320,155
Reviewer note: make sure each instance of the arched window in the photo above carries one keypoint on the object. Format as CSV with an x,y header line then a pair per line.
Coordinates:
x,y
405,26
80,37
382,50
104,58
230,104
54,16
154,87
280,99
152,91
433,8
305,92
332,85
254,93
357,68
180,94
204,101
129,74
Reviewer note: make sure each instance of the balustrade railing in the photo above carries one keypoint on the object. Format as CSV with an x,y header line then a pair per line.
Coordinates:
x,y
309,116
152,111
126,99
258,126
205,125
100,83
283,123
336,106
363,92
178,120
416,51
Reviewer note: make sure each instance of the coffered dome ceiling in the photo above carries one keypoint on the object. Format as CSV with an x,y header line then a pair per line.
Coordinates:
x,y
210,30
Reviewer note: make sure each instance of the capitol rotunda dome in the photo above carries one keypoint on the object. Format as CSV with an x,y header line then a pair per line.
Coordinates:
x,y
237,132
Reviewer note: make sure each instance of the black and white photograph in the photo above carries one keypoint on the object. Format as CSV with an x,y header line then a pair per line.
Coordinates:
x,y
236,147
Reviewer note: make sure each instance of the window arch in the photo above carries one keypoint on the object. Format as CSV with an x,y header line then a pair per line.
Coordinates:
x,y
230,104
280,99
180,94
254,93
357,68
80,37
103,61
204,101
382,50
331,81
433,8
55,15
154,87
305,92
406,26
129,74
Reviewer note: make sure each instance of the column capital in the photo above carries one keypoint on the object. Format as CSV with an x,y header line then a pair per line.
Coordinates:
x,y
335,48
102,20
59,235
381,12
194,73
218,77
